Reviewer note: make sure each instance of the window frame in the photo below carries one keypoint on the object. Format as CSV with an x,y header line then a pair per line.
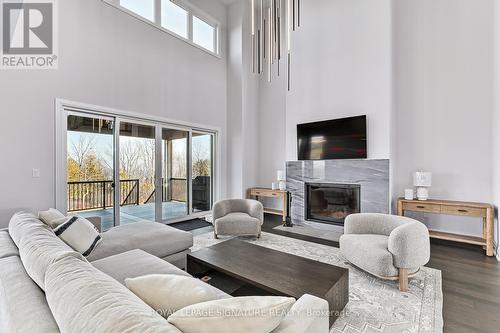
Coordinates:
x,y
191,10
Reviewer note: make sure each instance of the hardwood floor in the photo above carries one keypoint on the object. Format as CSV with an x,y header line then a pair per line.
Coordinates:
x,y
471,282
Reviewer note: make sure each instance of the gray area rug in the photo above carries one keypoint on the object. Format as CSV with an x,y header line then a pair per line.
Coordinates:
x,y
313,232
374,305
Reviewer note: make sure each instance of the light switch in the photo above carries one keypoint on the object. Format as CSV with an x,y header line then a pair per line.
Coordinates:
x,y
36,173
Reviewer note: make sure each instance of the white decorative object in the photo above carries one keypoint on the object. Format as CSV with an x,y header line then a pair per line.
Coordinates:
x,y
282,180
409,194
422,180
274,186
282,186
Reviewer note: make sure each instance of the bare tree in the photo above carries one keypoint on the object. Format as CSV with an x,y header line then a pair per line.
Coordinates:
x,y
129,159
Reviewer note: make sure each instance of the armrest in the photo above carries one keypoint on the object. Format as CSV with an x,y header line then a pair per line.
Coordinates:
x,y
256,209
410,245
308,314
220,209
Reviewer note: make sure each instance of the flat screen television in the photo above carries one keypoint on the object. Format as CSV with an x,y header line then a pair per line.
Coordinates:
x,y
332,139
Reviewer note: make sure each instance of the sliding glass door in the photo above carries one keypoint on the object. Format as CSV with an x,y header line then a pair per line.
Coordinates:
x,y
174,170
137,172
127,170
202,175
90,172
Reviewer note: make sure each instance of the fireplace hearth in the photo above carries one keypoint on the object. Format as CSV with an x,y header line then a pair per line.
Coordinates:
x,y
331,203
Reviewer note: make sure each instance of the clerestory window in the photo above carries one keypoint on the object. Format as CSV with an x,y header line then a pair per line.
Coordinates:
x,y
177,17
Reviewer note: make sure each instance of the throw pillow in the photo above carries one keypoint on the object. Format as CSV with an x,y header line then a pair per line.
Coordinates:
x,y
49,216
79,234
253,314
167,293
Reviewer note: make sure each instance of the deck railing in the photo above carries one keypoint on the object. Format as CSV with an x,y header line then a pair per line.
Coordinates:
x,y
173,189
95,194
98,194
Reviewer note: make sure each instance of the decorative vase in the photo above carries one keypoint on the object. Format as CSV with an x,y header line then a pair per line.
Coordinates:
x,y
409,194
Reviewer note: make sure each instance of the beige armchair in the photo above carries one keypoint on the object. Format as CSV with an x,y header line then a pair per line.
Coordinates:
x,y
387,246
238,217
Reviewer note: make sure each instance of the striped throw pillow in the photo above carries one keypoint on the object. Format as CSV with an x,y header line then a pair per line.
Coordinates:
x,y
79,233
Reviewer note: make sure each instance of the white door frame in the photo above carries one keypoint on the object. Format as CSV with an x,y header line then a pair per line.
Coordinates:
x,y
63,107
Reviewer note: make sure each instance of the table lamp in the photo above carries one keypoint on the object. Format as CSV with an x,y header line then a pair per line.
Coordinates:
x,y
422,180
282,180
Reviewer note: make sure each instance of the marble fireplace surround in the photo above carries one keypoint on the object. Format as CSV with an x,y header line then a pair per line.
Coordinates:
x,y
371,174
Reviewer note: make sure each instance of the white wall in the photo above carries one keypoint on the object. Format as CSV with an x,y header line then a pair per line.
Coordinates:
x,y
443,88
243,102
341,67
235,100
111,59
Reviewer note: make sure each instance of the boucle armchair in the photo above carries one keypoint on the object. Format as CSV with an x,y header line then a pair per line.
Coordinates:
x,y
238,217
387,246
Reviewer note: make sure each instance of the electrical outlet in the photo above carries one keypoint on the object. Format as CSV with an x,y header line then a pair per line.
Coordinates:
x,y
36,173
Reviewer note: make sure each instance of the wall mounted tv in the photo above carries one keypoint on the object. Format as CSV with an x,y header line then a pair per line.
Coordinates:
x,y
332,139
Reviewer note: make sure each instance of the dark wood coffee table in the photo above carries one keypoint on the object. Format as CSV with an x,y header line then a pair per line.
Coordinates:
x,y
275,272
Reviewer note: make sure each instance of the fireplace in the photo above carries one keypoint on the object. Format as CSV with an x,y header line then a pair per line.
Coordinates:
x,y
331,203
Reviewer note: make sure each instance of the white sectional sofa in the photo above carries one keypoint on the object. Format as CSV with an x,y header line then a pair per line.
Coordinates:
x,y
46,287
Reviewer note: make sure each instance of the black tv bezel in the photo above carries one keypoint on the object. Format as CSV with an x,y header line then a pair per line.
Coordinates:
x,y
331,121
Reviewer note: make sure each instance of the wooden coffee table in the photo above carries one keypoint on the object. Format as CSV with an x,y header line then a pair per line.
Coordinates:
x,y
275,272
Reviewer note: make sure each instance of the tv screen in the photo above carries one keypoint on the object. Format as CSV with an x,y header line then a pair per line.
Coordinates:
x,y
333,139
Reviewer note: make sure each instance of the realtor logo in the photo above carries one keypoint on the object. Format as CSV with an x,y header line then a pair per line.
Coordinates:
x,y
28,34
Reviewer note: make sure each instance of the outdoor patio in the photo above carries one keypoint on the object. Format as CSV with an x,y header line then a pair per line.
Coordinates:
x,y
136,213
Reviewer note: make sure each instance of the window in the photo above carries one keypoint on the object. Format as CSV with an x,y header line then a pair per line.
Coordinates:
x,y
144,8
174,18
203,34
126,169
177,17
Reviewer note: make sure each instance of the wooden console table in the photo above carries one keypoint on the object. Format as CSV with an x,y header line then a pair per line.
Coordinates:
x,y
268,193
471,209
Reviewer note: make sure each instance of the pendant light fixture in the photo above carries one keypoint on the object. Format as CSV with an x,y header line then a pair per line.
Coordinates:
x,y
266,33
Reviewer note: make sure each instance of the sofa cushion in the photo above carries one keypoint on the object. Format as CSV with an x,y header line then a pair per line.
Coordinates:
x,y
38,246
23,307
7,246
84,299
237,224
78,233
51,217
370,253
252,314
154,238
167,293
135,263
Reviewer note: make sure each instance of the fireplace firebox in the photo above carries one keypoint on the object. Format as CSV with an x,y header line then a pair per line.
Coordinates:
x,y
331,203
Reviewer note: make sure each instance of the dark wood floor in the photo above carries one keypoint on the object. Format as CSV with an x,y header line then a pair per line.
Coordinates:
x,y
471,282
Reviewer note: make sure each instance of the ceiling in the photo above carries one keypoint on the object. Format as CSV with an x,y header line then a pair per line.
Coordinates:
x,y
228,2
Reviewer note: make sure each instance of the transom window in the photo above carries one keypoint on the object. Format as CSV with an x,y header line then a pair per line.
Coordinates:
x,y
177,17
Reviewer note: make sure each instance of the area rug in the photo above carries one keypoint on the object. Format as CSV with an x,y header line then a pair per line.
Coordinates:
x,y
374,305
191,224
